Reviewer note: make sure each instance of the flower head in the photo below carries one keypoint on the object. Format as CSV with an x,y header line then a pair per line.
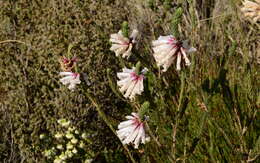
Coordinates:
x,y
122,45
57,160
59,146
130,82
58,135
69,146
132,130
74,151
167,48
74,141
67,64
251,9
63,122
69,135
71,79
42,136
63,156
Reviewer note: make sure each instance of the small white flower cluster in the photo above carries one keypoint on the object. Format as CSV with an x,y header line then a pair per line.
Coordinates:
x,y
49,153
66,144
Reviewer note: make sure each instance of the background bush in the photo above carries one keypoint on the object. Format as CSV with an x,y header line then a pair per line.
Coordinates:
x,y
217,118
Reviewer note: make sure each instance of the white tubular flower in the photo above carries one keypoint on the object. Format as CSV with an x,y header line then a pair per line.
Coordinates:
x,y
130,82
42,136
132,130
251,9
84,135
122,45
69,153
59,146
88,160
74,151
69,146
81,145
74,141
69,135
71,79
58,135
167,48
63,156
57,160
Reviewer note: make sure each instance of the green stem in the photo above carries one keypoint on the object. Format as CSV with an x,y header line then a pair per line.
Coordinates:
x,y
178,116
182,90
121,61
112,86
69,49
10,41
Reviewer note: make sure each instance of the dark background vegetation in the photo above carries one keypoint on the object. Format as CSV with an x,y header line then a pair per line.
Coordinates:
x,y
219,118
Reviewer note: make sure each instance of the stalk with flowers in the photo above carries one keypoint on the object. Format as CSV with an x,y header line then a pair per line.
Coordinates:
x,y
167,49
137,93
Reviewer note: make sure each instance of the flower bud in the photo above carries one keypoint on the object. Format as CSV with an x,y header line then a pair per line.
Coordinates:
x,y
70,146
74,141
58,135
57,160
69,135
71,128
63,157
64,122
69,154
76,132
74,151
81,145
84,135
59,146
42,136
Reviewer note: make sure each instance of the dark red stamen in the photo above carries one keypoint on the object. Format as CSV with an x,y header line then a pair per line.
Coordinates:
x,y
136,77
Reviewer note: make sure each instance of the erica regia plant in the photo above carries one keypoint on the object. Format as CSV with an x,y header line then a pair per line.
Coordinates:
x,y
146,89
149,81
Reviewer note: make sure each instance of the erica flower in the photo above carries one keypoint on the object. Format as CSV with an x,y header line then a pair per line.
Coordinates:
x,y
167,49
64,122
67,64
71,79
122,45
130,82
132,130
251,9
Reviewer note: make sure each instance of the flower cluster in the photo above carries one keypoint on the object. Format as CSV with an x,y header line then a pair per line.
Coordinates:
x,y
132,131
67,64
68,144
122,45
70,78
131,82
168,48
